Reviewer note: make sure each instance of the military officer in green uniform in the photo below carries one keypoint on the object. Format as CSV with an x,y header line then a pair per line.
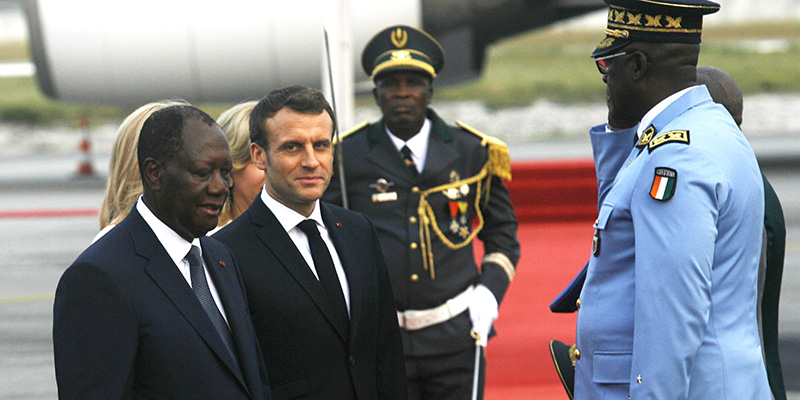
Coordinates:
x,y
430,189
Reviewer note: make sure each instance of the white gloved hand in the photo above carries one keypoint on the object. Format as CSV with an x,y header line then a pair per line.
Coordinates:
x,y
482,311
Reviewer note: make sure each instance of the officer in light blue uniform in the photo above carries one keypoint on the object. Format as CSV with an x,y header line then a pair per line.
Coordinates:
x,y
668,305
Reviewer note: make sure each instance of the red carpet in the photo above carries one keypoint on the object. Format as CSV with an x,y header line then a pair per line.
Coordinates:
x,y
519,365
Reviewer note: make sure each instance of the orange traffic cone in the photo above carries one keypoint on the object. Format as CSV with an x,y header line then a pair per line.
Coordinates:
x,y
85,167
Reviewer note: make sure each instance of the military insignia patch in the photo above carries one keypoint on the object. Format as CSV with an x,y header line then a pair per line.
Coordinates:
x,y
669,137
664,184
647,136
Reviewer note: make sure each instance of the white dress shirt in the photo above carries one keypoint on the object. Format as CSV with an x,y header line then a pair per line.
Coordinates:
x,y
289,219
177,248
418,144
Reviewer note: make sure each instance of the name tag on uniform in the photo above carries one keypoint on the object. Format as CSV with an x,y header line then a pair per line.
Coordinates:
x,y
382,186
382,197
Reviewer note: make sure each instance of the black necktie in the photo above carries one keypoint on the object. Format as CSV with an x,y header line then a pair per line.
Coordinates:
x,y
201,290
406,152
323,263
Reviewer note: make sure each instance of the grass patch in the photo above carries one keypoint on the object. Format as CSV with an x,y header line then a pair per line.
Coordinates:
x,y
555,64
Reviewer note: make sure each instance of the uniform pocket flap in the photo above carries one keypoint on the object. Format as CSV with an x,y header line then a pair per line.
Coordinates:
x,y
612,367
602,217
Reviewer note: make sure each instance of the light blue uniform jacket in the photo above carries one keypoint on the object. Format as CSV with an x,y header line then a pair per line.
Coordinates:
x,y
669,304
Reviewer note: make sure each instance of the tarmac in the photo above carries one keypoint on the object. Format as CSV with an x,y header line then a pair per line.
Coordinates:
x,y
47,217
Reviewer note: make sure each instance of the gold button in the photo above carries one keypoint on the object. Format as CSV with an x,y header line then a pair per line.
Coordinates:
x,y
578,304
414,277
413,220
415,190
414,246
577,354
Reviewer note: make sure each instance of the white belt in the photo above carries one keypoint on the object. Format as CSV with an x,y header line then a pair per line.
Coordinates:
x,y
412,320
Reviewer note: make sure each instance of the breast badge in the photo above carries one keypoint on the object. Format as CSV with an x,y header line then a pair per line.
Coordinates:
x,y
381,186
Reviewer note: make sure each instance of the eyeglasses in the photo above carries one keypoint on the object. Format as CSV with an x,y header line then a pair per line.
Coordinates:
x,y
602,62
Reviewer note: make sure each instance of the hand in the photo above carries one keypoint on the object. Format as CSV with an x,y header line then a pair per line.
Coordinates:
x,y
482,312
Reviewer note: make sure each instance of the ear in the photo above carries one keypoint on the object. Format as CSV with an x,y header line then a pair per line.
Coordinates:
x,y
640,65
153,174
259,156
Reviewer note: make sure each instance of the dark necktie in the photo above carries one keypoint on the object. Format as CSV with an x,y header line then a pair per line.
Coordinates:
x,y
323,263
201,290
406,152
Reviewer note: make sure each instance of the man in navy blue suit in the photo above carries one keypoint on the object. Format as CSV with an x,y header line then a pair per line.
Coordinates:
x,y
315,275
154,309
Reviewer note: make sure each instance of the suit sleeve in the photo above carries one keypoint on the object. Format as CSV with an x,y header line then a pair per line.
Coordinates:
x,y
500,243
95,336
676,241
389,353
610,150
390,363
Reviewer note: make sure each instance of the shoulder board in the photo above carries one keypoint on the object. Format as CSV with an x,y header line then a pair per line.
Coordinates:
x,y
350,131
668,137
499,160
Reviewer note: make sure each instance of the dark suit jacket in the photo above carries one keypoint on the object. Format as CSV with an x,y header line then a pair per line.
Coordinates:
x,y
127,325
775,247
307,357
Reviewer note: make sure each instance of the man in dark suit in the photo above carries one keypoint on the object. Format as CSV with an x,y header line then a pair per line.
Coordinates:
x,y
155,310
431,189
317,282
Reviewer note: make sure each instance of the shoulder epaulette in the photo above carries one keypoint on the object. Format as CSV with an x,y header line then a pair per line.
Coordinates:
x,y
668,137
349,132
499,160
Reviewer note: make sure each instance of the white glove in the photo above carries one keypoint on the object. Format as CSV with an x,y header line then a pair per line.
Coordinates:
x,y
482,311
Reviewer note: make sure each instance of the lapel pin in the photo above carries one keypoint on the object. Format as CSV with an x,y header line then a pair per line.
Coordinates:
x,y
222,263
339,224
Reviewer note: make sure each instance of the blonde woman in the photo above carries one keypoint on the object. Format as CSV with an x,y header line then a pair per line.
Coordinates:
x,y
247,179
124,184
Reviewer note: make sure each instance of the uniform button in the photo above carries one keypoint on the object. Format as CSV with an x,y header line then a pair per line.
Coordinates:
x,y
414,246
577,354
413,220
578,304
414,277
415,190
352,360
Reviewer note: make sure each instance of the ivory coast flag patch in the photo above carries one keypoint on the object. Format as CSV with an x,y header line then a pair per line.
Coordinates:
x,y
664,184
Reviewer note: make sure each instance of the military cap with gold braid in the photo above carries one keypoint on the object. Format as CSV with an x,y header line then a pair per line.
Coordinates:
x,y
402,47
663,21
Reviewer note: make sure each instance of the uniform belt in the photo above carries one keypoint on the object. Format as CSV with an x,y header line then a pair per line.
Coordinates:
x,y
412,320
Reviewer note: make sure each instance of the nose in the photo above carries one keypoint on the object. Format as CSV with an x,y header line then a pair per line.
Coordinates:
x,y
605,79
310,157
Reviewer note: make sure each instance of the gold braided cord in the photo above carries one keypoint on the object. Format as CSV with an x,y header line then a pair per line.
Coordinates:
x,y
427,218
